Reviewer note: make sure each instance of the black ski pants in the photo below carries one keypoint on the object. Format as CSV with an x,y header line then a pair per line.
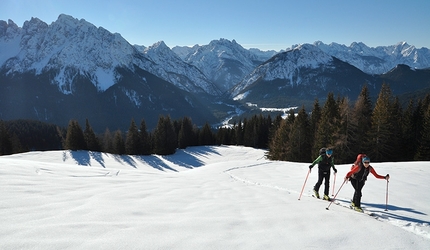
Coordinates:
x,y
323,176
358,186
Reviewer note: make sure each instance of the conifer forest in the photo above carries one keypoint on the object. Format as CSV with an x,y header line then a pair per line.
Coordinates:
x,y
385,130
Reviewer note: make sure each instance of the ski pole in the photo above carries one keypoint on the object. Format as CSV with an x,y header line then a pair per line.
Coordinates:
x,y
304,184
386,198
335,195
334,183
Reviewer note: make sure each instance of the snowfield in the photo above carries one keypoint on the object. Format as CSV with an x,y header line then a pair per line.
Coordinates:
x,y
224,197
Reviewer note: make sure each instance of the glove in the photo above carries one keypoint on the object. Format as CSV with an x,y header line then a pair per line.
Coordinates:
x,y
335,171
387,177
310,166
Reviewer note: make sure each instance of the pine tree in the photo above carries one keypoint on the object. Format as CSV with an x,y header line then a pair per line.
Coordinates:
x,y
423,152
206,136
144,139
279,147
396,130
108,142
345,141
361,119
314,123
408,139
299,140
186,136
5,140
381,132
250,132
118,143
329,126
75,139
165,140
133,144
239,133
91,140
264,128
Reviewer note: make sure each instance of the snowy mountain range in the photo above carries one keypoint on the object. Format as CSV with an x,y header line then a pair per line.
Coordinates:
x,y
71,64
224,62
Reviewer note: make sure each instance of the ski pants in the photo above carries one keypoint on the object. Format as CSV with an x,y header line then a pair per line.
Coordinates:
x,y
323,175
358,186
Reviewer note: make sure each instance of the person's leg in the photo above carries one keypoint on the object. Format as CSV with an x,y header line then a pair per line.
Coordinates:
x,y
318,184
326,183
360,186
354,183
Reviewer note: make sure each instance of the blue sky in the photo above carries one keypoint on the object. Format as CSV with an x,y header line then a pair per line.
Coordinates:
x,y
269,24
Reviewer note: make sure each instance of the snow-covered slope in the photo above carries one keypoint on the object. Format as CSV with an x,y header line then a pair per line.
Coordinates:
x,y
224,197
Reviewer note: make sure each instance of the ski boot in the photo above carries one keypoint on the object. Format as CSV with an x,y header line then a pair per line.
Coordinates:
x,y
317,195
326,197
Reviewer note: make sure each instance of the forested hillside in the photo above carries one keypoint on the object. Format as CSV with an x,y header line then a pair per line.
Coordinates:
x,y
383,130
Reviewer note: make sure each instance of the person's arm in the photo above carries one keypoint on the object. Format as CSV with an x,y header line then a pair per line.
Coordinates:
x,y
354,170
318,159
372,170
332,165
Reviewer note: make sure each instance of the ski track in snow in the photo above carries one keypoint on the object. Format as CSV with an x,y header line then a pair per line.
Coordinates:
x,y
237,178
419,228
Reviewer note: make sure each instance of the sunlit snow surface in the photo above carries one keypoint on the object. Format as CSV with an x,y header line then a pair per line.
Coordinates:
x,y
224,197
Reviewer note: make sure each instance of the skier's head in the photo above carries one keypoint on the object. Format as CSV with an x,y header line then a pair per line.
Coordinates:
x,y
329,152
366,161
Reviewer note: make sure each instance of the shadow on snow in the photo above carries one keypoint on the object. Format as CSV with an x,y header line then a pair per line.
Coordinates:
x,y
186,158
391,209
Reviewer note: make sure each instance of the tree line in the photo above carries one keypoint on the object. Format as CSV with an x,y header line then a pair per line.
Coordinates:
x,y
384,130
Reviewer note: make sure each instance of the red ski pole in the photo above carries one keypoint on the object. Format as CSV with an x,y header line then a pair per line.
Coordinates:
x,y
335,195
304,184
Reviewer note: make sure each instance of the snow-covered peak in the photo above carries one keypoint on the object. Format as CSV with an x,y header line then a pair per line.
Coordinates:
x,y
8,29
223,62
263,55
69,46
159,50
172,66
184,51
380,59
286,65
305,55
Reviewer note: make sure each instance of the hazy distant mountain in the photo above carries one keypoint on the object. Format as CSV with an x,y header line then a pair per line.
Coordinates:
x,y
378,60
